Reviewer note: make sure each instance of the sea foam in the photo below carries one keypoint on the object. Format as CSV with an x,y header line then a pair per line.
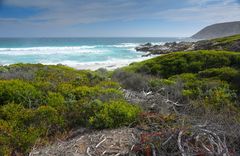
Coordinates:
x,y
80,53
110,64
50,50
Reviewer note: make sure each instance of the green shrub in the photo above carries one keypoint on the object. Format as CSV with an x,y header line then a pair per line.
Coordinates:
x,y
44,86
220,98
231,75
102,93
39,101
109,84
114,114
15,130
186,62
158,84
225,73
130,80
47,120
98,114
21,127
81,111
85,92
55,100
109,94
228,39
19,92
66,89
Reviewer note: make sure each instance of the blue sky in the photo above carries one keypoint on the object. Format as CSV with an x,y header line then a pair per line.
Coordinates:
x,y
112,18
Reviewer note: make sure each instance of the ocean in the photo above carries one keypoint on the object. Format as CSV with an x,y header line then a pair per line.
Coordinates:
x,y
80,53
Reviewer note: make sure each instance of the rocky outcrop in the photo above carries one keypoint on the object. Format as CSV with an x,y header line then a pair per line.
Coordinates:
x,y
151,49
235,46
164,49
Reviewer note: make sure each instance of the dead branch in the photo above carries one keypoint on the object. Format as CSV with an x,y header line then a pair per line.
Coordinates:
x,y
180,143
88,151
100,142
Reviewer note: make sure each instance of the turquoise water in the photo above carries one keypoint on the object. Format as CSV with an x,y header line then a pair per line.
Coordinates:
x,y
86,53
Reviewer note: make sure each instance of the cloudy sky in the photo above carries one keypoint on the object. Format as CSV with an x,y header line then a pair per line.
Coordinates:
x,y
109,18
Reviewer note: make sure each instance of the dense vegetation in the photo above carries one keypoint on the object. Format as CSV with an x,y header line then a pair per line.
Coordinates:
x,y
40,101
186,62
229,39
205,84
231,43
207,76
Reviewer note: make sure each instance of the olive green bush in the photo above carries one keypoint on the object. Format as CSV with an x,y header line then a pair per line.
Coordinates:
x,y
19,91
209,80
38,102
186,62
130,80
114,114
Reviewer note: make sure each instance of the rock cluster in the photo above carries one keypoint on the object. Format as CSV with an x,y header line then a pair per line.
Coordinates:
x,y
188,46
166,48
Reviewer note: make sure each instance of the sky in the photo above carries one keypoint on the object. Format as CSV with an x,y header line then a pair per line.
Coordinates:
x,y
112,18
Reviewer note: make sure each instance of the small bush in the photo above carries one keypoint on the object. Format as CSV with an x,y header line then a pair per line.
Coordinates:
x,y
20,127
130,80
56,100
19,92
220,98
114,114
225,73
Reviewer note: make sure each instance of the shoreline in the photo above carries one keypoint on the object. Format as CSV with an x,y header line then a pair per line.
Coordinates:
x,y
109,65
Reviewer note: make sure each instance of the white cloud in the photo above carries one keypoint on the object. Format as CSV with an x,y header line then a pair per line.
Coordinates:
x,y
67,12
59,15
220,11
75,11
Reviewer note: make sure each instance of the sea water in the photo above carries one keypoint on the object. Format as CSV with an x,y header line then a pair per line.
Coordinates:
x,y
80,53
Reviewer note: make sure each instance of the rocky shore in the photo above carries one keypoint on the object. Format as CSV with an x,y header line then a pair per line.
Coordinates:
x,y
152,49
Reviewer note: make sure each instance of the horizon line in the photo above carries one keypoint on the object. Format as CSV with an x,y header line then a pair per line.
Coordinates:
x,y
96,37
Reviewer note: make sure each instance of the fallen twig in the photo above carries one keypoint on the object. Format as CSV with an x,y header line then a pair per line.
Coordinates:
x,y
100,142
88,151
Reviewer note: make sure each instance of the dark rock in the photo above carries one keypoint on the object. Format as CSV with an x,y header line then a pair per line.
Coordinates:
x,y
235,46
188,46
148,44
164,49
146,55
203,45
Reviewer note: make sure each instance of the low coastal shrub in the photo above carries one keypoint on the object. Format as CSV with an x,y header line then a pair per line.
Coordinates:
x,y
21,127
229,39
228,74
38,102
205,79
130,80
114,114
19,91
209,94
225,73
186,62
219,99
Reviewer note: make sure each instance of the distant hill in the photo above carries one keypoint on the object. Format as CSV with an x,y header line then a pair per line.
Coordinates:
x,y
218,30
